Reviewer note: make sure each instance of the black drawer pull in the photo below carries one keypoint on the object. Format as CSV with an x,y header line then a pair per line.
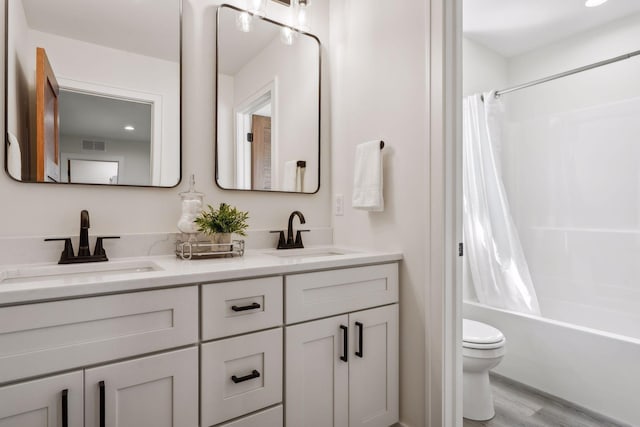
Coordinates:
x,y
345,343
253,306
101,387
360,352
65,408
252,375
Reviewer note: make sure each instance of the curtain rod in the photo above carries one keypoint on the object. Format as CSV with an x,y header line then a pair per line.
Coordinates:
x,y
568,73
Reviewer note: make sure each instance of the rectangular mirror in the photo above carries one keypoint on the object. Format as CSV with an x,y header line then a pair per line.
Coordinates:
x,y
93,92
268,105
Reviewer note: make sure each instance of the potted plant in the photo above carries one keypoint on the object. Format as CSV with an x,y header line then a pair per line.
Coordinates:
x,y
221,223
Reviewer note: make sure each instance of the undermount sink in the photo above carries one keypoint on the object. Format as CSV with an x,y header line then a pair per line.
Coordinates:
x,y
308,253
92,271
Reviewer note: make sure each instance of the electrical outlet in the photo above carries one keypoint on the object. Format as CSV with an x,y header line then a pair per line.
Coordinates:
x,y
339,205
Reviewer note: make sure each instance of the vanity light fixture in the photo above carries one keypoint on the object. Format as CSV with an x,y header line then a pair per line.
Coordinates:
x,y
129,128
257,7
594,3
301,13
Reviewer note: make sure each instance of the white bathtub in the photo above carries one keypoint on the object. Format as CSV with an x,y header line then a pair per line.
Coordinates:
x,y
591,368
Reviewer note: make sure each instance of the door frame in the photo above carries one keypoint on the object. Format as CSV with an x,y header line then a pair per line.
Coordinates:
x,y
443,294
242,125
155,100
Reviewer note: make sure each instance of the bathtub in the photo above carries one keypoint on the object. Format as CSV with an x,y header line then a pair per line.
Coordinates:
x,y
591,368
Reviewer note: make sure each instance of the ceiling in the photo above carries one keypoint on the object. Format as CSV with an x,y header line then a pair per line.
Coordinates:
x,y
237,48
102,118
513,27
145,27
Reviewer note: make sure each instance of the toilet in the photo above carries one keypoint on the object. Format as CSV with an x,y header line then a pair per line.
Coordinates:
x,y
482,349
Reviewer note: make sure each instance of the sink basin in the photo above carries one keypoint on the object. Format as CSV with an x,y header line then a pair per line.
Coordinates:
x,y
90,271
308,253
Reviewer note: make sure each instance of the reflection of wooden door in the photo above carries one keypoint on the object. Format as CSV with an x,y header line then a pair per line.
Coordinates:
x,y
261,153
47,120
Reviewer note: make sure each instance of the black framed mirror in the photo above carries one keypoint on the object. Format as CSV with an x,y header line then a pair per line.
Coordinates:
x,y
267,105
93,92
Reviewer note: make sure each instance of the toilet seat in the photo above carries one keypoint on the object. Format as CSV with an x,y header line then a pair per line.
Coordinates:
x,y
478,335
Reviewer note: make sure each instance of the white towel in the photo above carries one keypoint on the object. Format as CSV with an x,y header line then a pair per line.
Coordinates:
x,y
367,177
290,178
14,157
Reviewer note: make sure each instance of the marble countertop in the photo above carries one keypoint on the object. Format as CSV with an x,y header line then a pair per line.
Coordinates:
x,y
19,284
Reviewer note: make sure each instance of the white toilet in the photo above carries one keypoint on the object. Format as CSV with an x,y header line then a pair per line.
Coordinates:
x,y
482,349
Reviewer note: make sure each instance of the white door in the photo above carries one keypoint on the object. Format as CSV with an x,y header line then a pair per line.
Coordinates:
x,y
373,367
154,391
317,373
49,402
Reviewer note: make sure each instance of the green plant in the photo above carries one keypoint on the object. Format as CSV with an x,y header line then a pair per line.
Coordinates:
x,y
225,219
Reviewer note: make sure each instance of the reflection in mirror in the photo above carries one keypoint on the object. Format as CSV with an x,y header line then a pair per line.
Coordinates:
x,y
268,100
93,91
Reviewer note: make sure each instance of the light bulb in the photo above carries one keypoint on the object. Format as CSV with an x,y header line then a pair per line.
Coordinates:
x,y
302,15
287,36
257,7
243,22
594,3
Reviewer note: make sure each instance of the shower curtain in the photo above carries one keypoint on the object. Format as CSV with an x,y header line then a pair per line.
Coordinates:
x,y
497,265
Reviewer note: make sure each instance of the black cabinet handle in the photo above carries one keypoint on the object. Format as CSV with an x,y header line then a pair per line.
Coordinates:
x,y
253,306
360,352
345,343
252,375
101,387
65,408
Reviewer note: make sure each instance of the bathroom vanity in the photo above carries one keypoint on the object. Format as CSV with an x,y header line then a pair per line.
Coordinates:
x,y
243,342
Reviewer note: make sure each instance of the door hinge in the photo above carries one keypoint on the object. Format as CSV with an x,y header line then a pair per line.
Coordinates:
x,y
250,137
460,249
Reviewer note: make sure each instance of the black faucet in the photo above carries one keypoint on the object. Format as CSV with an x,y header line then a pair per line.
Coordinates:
x,y
290,243
84,253
83,249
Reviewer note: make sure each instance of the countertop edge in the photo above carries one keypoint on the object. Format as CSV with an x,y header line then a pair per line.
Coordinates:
x,y
178,273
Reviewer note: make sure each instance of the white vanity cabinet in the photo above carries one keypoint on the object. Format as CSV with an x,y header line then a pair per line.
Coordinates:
x,y
343,370
44,338
292,345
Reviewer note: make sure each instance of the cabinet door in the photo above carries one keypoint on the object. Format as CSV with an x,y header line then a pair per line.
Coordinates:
x,y
43,403
154,391
316,376
373,367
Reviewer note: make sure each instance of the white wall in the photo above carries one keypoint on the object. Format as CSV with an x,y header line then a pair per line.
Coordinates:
x,y
18,64
295,68
133,156
38,209
379,85
484,69
226,124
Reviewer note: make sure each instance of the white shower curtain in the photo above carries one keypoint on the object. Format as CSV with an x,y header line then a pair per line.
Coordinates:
x,y
497,265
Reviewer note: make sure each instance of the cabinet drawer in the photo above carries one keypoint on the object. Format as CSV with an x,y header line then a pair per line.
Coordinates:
x,y
326,293
40,338
240,375
269,418
233,308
